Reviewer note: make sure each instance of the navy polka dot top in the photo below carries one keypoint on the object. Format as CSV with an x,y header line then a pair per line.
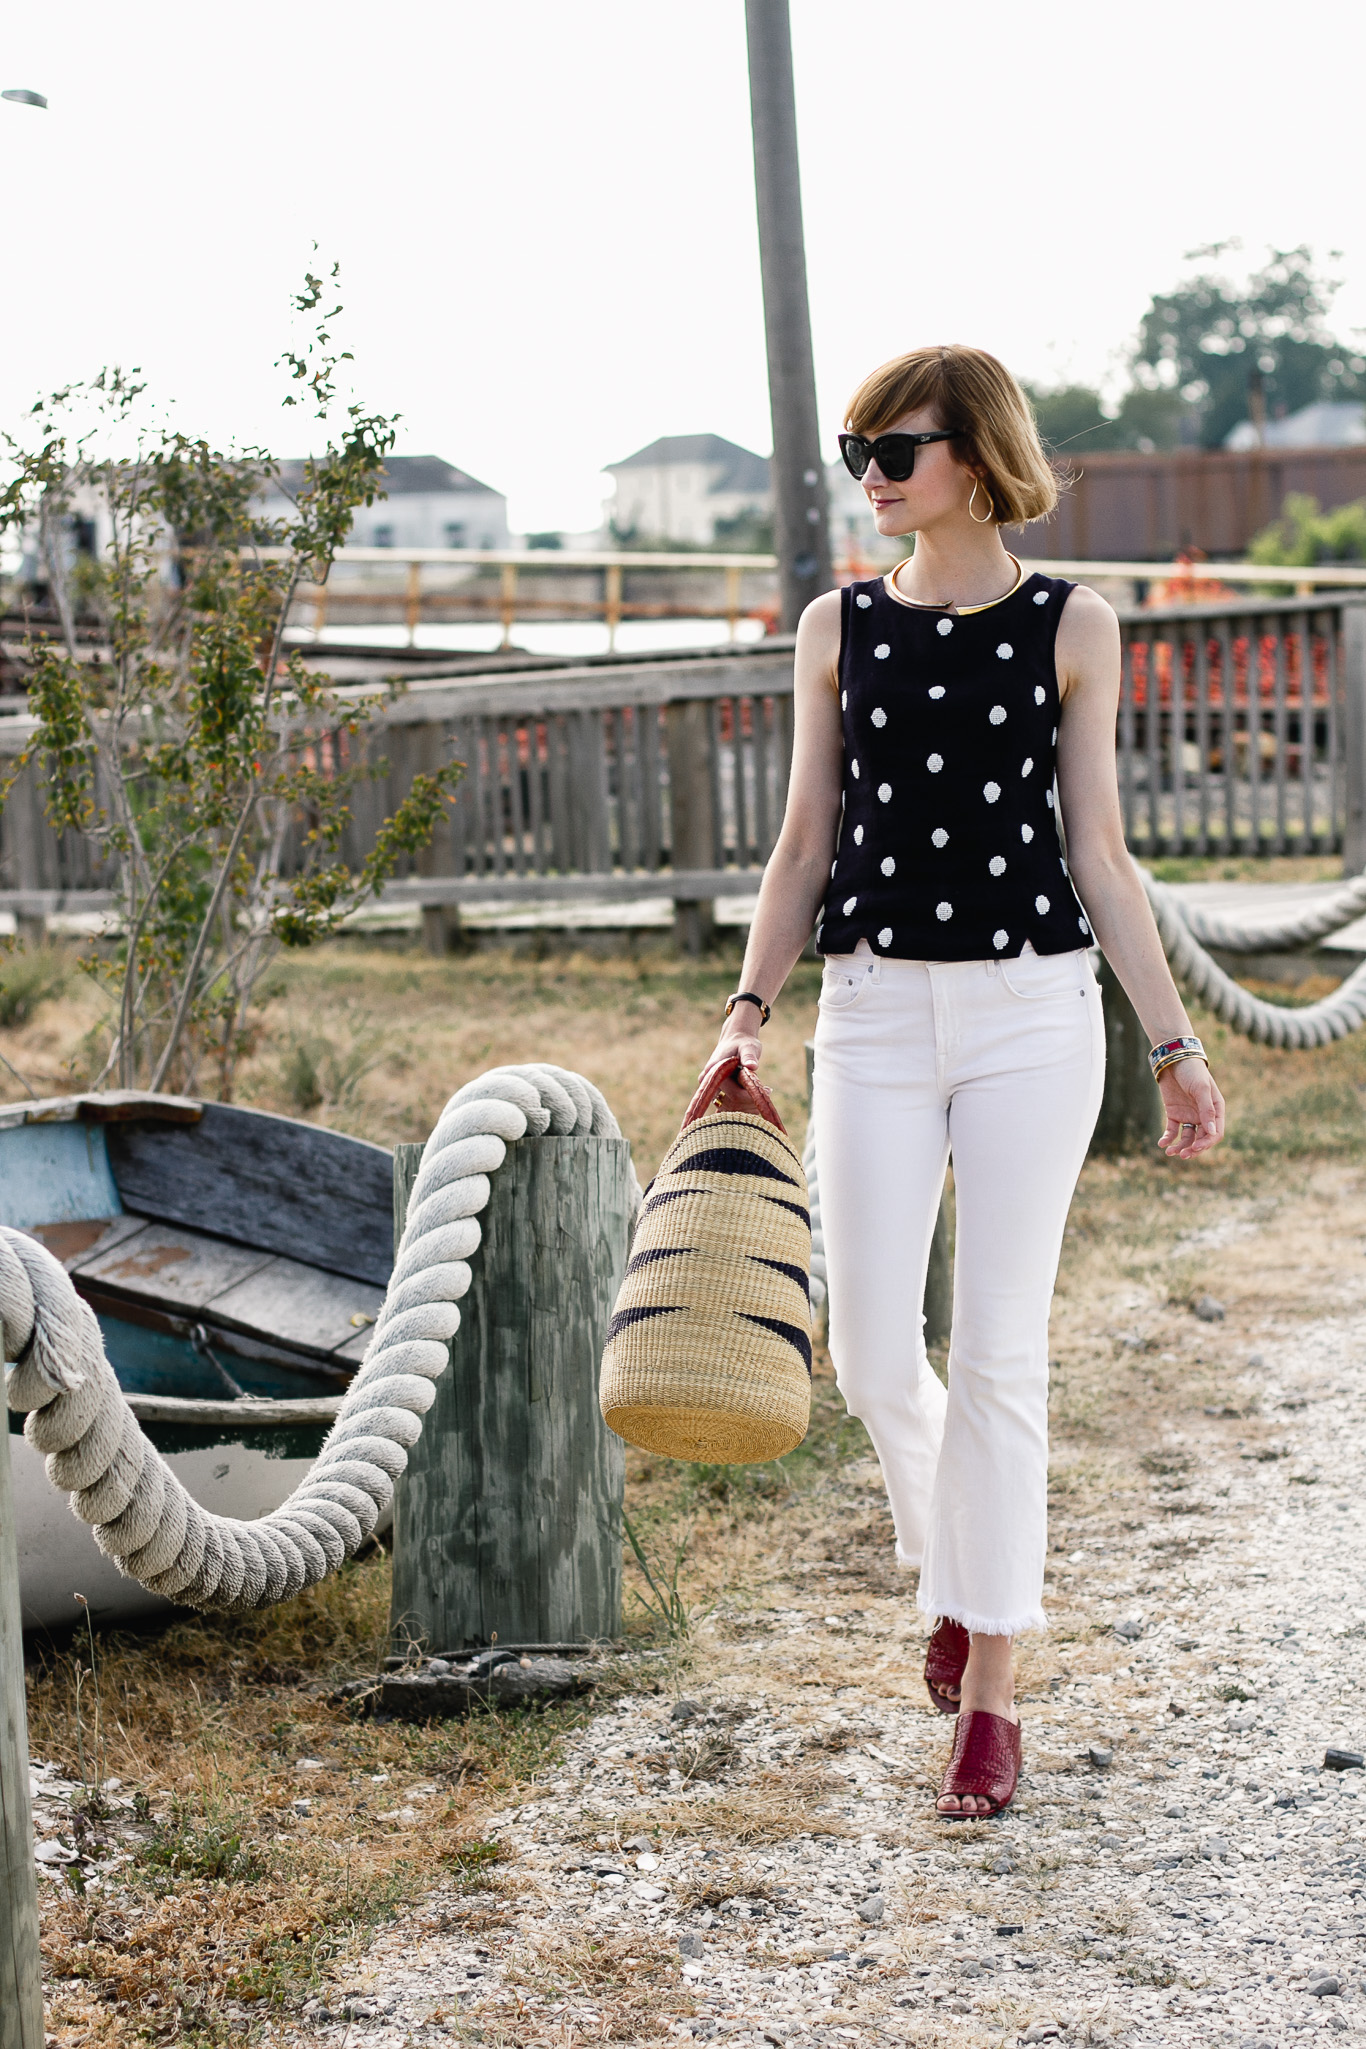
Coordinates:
x,y
948,845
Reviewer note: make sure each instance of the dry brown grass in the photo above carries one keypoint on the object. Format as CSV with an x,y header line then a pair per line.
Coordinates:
x,y
233,1902
386,1034
208,1719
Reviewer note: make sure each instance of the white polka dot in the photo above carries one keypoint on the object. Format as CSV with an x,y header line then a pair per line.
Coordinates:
x,y
1000,938
1055,736
997,715
997,864
849,903
833,866
881,651
937,691
943,912
819,930
1040,597
1039,693
889,866
991,791
946,626
884,937
1082,925
934,763
1029,763
884,793
939,837
853,768
879,717
1041,904
1005,651
858,835
844,700
863,601
1026,833
1048,798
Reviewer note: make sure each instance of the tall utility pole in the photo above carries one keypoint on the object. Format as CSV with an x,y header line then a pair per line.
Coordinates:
x,y
800,512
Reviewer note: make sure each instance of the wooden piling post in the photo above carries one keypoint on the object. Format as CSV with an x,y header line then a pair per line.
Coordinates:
x,y
1131,1116
692,817
507,1522
442,929
1354,737
939,1280
21,1988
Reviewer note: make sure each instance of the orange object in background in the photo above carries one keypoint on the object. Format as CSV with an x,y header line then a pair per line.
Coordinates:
x,y
1188,587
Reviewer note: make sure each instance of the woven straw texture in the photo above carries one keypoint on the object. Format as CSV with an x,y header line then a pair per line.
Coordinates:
x,y
709,1349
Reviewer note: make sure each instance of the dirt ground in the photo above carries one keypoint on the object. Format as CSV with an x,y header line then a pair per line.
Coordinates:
x,y
267,1867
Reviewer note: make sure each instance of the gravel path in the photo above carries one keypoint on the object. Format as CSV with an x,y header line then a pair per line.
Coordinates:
x,y
759,1861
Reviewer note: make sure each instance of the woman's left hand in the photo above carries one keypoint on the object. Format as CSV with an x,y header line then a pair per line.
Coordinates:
x,y
1194,1107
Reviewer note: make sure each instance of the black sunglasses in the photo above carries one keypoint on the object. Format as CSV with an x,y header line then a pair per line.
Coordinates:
x,y
894,454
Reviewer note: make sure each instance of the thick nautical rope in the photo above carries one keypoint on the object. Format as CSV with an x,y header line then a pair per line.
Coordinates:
x,y
1314,919
811,1167
142,1517
1270,1024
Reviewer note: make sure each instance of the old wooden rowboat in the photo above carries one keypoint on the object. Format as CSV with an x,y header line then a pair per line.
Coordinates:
x,y
235,1261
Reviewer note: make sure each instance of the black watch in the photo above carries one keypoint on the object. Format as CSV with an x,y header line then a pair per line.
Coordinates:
x,y
748,996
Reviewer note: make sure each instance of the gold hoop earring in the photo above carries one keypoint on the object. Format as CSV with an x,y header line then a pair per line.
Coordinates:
x,y
991,504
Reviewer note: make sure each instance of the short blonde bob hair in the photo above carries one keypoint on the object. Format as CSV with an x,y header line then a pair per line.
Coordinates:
x,y
968,389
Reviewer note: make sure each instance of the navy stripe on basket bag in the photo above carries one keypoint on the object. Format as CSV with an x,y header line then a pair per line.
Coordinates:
x,y
730,1159
624,1317
794,1334
782,1266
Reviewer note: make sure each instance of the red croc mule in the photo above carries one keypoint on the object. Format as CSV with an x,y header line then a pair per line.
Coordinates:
x,y
985,1762
945,1662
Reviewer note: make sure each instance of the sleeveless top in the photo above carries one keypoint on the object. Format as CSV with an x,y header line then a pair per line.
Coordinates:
x,y
948,843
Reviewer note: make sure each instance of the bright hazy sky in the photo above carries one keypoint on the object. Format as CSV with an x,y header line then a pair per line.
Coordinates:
x,y
545,212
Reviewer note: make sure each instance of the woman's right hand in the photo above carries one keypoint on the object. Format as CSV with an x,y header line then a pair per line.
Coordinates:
x,y
738,1039
720,1085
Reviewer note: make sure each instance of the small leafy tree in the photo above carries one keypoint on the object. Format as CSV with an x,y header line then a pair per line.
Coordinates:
x,y
1305,535
210,767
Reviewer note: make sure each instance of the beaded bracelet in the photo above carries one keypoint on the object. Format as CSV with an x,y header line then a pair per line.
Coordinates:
x,y
1166,1055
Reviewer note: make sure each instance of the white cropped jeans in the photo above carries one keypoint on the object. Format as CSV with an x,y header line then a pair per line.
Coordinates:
x,y
1001,1064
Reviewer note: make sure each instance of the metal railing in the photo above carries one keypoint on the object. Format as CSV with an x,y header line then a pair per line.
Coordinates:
x,y
1233,731
442,586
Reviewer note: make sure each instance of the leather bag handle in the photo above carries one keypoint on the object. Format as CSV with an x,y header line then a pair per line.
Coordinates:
x,y
727,1084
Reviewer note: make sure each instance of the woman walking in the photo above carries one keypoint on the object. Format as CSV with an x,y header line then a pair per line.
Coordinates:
x,y
953,720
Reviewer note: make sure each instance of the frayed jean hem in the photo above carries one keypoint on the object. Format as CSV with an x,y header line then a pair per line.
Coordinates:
x,y
985,1625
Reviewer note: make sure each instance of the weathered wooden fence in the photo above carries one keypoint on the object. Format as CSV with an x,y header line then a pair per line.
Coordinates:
x,y
1242,730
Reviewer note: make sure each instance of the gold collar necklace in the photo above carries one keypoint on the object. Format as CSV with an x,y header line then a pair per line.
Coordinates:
x,y
960,611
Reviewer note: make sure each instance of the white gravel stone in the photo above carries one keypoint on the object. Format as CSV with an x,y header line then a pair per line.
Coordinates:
x,y
1204,1889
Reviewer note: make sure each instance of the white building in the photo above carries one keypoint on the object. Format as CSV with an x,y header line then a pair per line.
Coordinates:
x,y
1331,423
429,503
682,486
679,487
853,534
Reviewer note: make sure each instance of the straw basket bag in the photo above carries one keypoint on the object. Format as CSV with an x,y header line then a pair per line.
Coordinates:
x,y
709,1349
